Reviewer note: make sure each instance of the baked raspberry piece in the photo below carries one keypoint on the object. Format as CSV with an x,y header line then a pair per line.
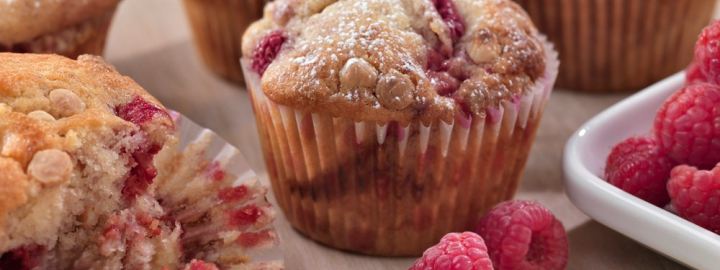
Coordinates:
x,y
266,51
22,258
200,265
707,52
637,166
695,195
688,125
456,251
524,235
449,13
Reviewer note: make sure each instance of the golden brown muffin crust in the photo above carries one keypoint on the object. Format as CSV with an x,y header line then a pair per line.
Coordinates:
x,y
387,45
23,20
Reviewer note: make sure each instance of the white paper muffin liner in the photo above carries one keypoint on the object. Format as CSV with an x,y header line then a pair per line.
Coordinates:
x,y
385,189
199,154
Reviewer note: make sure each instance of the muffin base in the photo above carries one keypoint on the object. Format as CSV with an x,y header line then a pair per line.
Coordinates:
x,y
87,37
620,45
392,190
218,26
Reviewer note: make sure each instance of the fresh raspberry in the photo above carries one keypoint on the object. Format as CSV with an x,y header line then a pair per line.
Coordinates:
x,y
637,166
695,195
266,51
688,125
449,13
693,74
524,235
707,52
456,251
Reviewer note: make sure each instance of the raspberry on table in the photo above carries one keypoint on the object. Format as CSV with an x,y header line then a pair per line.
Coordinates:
x,y
687,125
637,166
267,50
456,251
524,235
707,52
695,195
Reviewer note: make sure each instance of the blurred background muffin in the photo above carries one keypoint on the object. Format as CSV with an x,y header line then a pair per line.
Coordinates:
x,y
619,45
217,26
66,27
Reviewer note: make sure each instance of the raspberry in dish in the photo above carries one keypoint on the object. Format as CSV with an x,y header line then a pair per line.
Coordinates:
x,y
695,195
524,235
687,125
693,74
638,166
386,124
707,54
93,177
65,27
456,251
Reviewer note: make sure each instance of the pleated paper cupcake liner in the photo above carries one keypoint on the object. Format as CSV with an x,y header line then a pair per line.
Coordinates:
x,y
218,26
620,45
393,190
207,186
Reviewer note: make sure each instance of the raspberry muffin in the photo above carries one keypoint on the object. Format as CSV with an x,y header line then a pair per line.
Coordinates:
x,y
217,26
92,178
618,45
387,123
66,27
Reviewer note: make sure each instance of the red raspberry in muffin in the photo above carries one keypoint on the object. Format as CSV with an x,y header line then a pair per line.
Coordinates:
x,y
456,251
637,166
707,53
687,125
452,18
524,235
695,195
267,50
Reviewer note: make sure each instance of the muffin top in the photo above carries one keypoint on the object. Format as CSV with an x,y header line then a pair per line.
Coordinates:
x,y
49,106
23,20
402,60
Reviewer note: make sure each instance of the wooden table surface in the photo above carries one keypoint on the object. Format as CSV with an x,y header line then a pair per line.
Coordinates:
x,y
150,42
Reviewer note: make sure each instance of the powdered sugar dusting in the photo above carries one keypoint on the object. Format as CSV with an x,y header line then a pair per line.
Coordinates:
x,y
384,39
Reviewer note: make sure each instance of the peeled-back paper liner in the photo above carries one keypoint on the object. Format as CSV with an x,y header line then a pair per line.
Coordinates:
x,y
386,189
232,162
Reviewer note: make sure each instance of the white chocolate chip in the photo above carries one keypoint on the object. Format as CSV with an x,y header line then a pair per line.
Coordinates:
x,y
65,102
12,144
358,73
50,166
41,115
483,48
395,90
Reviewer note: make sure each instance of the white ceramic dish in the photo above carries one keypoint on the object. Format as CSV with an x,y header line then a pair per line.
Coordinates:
x,y
584,161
